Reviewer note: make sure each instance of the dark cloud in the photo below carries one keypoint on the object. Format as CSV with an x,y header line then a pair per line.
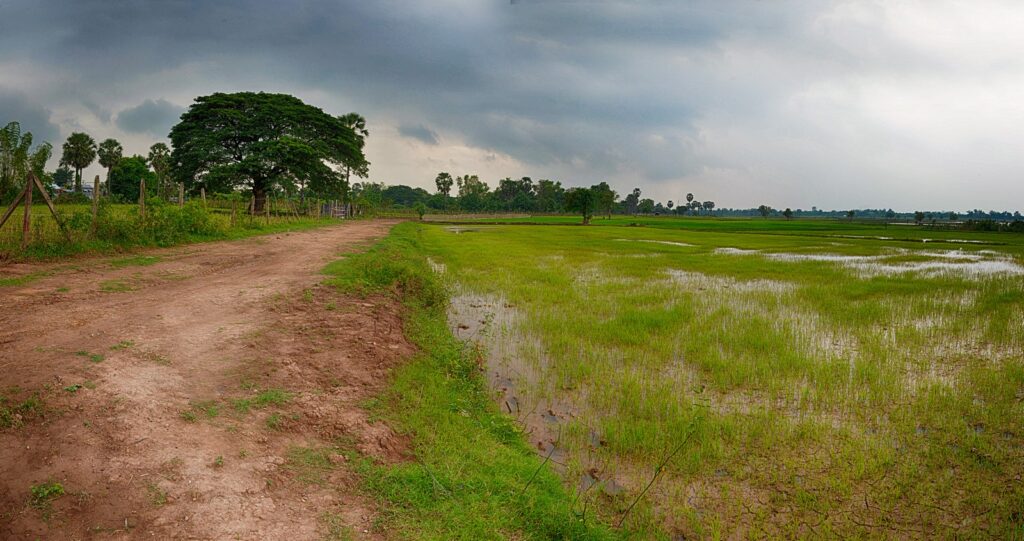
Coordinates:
x,y
658,93
418,132
154,117
16,107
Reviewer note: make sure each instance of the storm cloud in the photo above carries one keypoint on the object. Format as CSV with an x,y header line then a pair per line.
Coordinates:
x,y
838,104
155,117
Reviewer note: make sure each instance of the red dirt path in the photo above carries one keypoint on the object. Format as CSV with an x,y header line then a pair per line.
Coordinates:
x,y
207,324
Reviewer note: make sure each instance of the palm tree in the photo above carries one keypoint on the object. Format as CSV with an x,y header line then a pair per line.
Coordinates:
x,y
160,160
357,124
79,152
110,154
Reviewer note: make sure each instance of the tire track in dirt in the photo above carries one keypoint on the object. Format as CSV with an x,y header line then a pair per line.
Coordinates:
x,y
206,327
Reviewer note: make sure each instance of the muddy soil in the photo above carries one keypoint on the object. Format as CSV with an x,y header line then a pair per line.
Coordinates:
x,y
172,400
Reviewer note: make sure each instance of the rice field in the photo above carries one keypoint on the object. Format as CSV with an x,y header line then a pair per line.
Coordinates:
x,y
751,381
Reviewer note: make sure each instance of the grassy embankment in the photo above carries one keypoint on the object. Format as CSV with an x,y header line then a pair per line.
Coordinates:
x,y
825,397
474,476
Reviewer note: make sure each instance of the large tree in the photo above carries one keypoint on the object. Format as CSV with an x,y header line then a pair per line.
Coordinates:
x,y
79,151
125,177
110,152
604,198
262,141
581,201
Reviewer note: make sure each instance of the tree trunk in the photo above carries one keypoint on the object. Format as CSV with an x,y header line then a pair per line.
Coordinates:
x,y
78,180
259,194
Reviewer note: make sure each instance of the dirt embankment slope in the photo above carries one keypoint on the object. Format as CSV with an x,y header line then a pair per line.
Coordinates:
x,y
181,396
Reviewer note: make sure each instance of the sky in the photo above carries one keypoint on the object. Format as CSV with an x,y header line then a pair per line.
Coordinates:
x,y
835,104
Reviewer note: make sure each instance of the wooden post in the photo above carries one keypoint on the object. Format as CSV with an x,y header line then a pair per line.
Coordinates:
x,y
252,205
233,205
30,181
14,206
181,194
202,193
142,199
26,233
95,204
267,201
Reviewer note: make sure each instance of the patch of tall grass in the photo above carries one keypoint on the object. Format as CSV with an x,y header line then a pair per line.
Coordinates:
x,y
120,227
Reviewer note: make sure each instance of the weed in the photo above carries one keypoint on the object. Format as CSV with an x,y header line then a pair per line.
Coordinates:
x,y
188,416
134,261
93,357
310,464
157,496
115,286
73,388
123,344
43,494
218,462
274,421
335,527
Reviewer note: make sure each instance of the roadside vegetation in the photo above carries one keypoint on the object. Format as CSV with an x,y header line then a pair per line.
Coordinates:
x,y
474,475
119,227
792,382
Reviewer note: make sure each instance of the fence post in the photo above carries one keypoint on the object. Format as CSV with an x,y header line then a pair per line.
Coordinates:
x,y
267,201
181,194
202,193
95,203
25,231
233,205
142,198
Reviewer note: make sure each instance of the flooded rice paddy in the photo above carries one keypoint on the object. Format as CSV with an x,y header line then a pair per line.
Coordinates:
x,y
852,388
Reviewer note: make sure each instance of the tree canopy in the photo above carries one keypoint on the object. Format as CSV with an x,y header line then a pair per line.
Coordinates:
x,y
263,141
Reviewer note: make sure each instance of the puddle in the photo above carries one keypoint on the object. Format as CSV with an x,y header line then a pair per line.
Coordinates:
x,y
665,242
514,363
703,282
459,230
973,264
735,251
437,266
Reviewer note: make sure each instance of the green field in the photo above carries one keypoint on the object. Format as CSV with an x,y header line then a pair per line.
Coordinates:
x,y
794,380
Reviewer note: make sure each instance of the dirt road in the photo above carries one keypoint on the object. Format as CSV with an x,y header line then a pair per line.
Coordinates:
x,y
205,392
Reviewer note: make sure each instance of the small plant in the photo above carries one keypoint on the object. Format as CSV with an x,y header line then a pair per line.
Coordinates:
x,y
274,421
93,357
115,286
135,261
274,397
157,495
188,416
123,344
208,408
43,494
73,388
218,462
307,295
